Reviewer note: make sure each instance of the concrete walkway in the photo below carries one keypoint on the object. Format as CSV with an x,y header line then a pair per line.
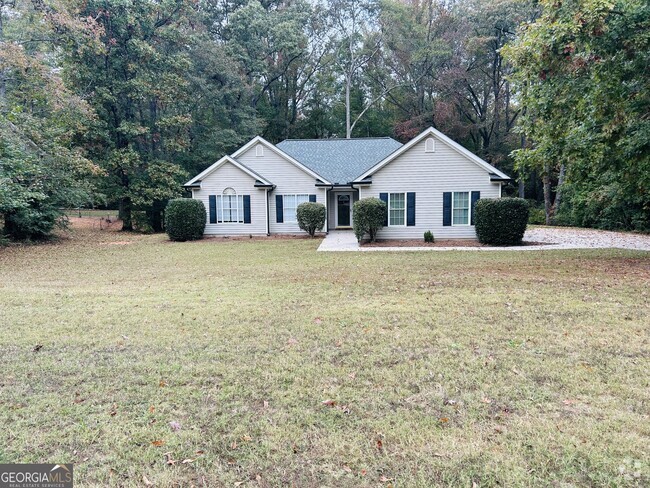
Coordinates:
x,y
551,237
340,240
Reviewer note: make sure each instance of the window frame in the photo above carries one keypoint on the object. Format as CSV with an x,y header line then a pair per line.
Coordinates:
x,y
238,208
469,208
433,145
295,208
390,199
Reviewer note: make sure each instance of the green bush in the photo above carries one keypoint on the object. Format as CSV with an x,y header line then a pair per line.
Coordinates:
x,y
369,216
185,219
536,212
34,222
501,221
141,222
311,217
428,236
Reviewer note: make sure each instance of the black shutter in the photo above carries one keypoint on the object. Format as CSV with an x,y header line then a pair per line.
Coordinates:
x,y
384,198
410,209
213,209
446,208
476,196
279,209
247,209
312,198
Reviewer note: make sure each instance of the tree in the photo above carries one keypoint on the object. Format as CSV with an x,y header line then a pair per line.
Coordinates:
x,y
42,170
139,88
581,69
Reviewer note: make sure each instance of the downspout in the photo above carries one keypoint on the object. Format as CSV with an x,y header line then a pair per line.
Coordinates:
x,y
268,222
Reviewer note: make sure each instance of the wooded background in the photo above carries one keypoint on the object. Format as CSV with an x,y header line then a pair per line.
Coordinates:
x,y
117,102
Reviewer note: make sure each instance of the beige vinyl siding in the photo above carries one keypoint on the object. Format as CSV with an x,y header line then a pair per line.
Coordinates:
x,y
288,179
429,175
230,176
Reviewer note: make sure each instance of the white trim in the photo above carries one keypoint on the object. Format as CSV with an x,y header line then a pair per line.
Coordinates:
x,y
433,132
279,152
222,161
405,205
469,208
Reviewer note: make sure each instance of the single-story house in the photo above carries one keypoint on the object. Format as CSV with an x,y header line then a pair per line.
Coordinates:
x,y
430,183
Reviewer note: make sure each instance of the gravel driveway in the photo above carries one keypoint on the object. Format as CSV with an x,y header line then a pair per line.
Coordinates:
x,y
547,237
573,238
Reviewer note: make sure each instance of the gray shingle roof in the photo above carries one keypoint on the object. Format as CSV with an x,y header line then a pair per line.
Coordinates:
x,y
339,160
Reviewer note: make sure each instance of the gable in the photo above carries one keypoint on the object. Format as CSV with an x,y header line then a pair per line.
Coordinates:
x,y
260,181
441,143
250,154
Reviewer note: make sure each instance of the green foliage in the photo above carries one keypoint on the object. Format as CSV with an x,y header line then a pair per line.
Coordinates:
x,y
142,223
501,221
185,219
311,217
536,213
581,69
369,215
428,236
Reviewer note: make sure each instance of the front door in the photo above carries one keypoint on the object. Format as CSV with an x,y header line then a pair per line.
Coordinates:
x,y
343,207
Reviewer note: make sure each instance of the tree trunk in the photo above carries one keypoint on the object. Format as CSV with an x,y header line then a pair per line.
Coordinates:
x,y
548,207
558,192
125,214
521,185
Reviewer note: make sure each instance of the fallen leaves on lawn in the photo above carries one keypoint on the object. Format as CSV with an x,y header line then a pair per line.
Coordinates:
x,y
380,445
329,403
152,409
162,383
175,426
37,347
146,481
158,443
77,398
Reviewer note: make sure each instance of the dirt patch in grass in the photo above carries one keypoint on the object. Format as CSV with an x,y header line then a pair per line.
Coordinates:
x,y
95,223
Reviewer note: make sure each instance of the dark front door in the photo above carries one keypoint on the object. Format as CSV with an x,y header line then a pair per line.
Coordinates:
x,y
343,210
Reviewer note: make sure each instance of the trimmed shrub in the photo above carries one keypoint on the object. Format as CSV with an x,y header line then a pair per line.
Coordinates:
x,y
428,236
311,217
501,221
369,216
185,219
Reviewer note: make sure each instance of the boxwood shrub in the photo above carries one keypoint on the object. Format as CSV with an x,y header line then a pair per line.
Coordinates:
x,y
311,217
185,219
502,221
369,216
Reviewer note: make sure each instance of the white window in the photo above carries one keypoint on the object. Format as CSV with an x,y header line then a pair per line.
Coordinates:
x,y
396,209
430,145
460,208
259,150
230,207
290,204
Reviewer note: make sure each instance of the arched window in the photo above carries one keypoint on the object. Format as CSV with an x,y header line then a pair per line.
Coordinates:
x,y
259,151
230,206
430,145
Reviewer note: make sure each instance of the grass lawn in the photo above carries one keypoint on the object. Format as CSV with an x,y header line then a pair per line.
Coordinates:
x,y
264,363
